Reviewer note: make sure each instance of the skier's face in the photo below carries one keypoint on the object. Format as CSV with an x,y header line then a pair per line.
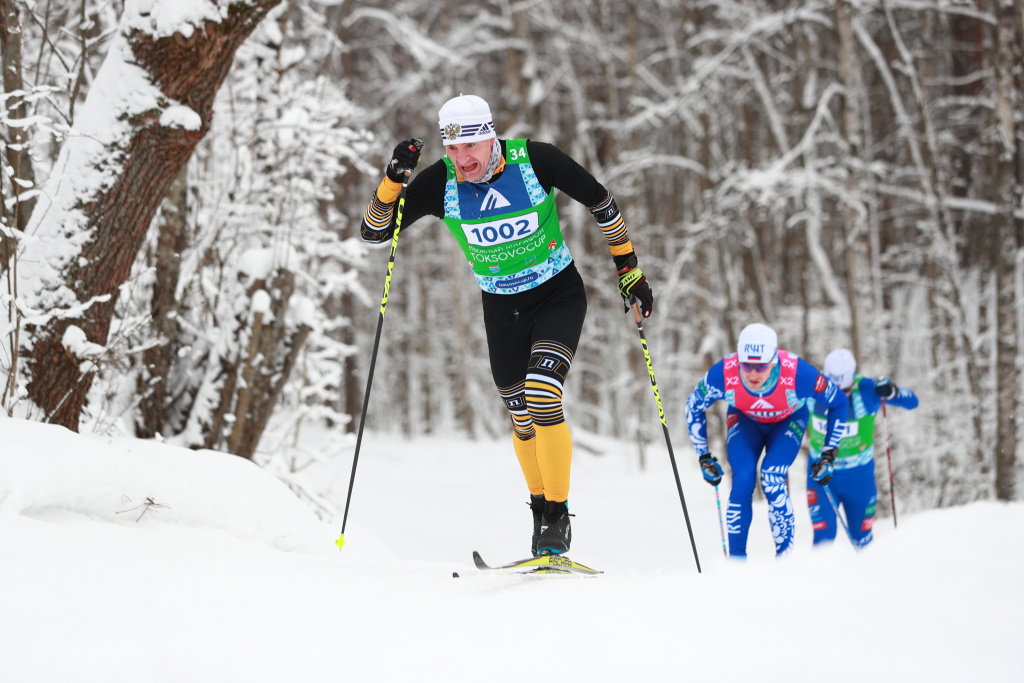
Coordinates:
x,y
755,375
470,158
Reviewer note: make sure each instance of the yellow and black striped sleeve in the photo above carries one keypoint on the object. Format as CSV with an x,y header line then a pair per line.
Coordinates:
x,y
613,226
424,197
380,212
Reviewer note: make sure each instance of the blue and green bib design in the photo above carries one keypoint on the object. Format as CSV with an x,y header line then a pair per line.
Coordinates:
x,y
857,446
507,229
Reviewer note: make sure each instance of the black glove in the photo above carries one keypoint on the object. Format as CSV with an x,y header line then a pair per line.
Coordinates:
x,y
633,284
884,388
821,471
404,160
711,470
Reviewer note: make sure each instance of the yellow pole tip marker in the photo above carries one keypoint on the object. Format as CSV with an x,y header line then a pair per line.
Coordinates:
x,y
340,542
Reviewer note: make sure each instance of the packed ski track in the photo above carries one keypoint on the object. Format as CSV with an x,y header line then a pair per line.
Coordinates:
x,y
123,560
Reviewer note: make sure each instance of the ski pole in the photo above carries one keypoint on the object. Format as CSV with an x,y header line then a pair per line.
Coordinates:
x,y
835,509
376,345
721,524
888,457
664,424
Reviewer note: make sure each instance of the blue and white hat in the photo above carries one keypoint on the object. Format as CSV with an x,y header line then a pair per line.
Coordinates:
x,y
840,366
465,118
757,344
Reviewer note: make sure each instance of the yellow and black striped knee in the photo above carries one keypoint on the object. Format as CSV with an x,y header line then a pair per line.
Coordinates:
x,y
549,365
515,402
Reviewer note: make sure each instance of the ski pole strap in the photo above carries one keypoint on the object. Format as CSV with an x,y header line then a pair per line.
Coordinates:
x,y
635,305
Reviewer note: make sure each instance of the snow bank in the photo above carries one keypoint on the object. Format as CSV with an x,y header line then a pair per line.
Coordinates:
x,y
149,484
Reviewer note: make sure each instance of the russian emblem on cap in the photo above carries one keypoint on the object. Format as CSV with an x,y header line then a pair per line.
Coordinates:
x,y
452,131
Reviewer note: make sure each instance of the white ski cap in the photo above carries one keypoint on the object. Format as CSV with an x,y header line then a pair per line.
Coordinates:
x,y
465,118
758,344
840,366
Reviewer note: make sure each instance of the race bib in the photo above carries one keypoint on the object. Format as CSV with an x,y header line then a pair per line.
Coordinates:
x,y
846,429
501,231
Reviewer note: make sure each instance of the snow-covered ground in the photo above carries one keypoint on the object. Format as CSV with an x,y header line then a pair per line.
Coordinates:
x,y
123,560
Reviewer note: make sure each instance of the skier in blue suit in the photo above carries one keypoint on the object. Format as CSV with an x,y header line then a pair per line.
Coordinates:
x,y
853,482
766,389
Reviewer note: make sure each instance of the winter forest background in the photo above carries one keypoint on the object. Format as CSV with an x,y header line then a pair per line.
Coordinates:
x,y
183,183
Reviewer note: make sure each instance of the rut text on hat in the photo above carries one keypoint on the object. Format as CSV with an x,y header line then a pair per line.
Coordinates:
x,y
758,343
465,118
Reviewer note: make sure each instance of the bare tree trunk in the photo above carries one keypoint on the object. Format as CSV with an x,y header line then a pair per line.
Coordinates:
x,y
854,223
270,356
245,391
291,347
351,393
1008,195
171,242
16,146
525,117
227,377
186,70
262,368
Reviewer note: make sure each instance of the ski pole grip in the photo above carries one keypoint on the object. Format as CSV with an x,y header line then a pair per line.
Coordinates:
x,y
636,308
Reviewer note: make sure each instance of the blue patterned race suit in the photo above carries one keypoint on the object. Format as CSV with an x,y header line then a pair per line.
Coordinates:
x,y
853,480
750,432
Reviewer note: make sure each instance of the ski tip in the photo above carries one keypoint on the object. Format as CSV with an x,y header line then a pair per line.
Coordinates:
x,y
455,575
479,561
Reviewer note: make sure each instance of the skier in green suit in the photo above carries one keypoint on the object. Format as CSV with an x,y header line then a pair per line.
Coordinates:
x,y
497,198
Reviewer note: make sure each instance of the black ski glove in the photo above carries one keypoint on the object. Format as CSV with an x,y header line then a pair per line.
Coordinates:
x,y
821,471
884,388
633,283
711,470
404,160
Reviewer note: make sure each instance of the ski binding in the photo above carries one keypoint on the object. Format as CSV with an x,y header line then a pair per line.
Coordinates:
x,y
543,564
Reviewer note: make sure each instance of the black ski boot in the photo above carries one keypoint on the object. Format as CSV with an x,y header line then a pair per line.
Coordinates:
x,y
537,508
555,530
